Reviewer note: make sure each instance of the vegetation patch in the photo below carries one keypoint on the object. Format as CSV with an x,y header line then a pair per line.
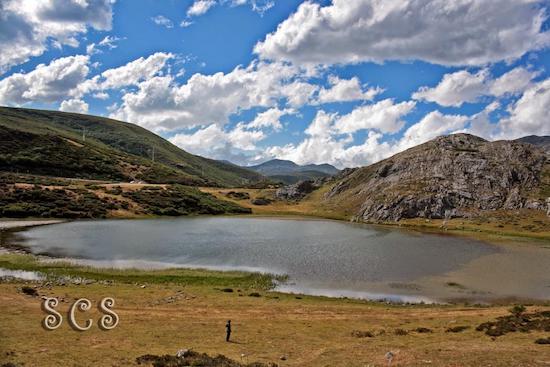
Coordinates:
x,y
180,200
238,195
517,322
38,201
192,358
90,201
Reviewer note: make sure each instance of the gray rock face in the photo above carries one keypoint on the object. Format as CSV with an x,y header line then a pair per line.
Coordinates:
x,y
451,176
298,190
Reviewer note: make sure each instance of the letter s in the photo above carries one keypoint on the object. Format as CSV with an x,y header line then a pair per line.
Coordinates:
x,y
84,305
54,319
110,319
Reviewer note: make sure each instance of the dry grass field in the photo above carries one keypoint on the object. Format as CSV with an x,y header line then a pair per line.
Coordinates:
x,y
307,331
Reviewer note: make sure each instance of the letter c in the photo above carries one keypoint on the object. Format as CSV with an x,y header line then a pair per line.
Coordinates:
x,y
83,304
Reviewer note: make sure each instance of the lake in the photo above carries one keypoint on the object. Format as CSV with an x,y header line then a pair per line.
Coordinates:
x,y
320,257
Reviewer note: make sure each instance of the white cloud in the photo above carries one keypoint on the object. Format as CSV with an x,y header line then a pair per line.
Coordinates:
x,y
200,7
162,21
431,126
345,90
213,142
26,26
384,116
325,145
299,93
513,82
74,105
46,83
465,32
261,6
529,115
455,89
161,104
465,87
185,23
107,42
326,142
135,71
270,118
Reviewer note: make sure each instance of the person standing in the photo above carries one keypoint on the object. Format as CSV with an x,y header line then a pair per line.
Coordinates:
x,y
227,330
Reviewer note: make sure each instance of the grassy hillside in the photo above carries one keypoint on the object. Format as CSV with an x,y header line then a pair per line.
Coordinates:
x,y
81,146
67,199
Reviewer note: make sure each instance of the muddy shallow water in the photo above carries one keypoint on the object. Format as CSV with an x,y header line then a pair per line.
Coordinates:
x,y
320,257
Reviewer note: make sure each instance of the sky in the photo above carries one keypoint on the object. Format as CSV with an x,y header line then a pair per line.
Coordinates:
x,y
341,82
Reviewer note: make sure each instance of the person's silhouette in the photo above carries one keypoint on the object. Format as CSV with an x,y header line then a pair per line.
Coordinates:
x,y
227,330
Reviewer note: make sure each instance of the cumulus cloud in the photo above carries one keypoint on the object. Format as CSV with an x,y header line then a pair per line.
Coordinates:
x,y
200,7
135,71
270,118
27,26
161,104
162,21
214,142
431,126
455,89
466,87
327,143
384,116
46,83
74,105
529,114
324,144
466,32
345,90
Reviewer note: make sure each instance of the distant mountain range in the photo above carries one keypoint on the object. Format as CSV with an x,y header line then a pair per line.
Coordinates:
x,y
73,145
540,141
289,172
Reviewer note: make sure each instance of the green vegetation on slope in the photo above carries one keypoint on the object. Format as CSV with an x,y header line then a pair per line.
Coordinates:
x,y
73,145
91,201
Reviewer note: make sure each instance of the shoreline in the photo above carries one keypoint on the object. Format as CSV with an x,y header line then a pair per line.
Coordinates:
x,y
467,284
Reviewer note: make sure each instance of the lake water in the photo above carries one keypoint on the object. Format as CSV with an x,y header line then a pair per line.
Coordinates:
x,y
320,257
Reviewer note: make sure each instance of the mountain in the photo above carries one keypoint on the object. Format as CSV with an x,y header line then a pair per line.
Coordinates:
x,y
289,172
540,141
82,146
458,175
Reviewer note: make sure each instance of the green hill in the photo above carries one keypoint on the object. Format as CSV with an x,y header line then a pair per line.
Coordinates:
x,y
73,145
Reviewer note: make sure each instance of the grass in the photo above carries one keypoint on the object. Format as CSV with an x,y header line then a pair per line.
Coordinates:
x,y
59,269
95,200
188,309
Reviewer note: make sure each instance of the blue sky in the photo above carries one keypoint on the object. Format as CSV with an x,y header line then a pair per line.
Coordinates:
x,y
347,83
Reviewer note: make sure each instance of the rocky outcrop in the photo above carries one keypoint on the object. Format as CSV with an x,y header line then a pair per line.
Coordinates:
x,y
451,176
298,190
